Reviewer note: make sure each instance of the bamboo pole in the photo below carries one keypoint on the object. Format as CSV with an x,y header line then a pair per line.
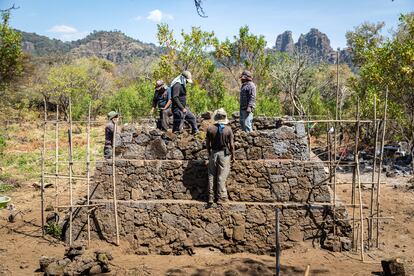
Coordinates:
x,y
42,182
361,215
380,163
371,211
57,157
88,130
328,121
70,173
307,270
353,194
114,184
277,242
335,140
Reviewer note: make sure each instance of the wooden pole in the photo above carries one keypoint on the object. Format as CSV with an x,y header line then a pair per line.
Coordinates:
x,y
335,140
57,157
307,270
70,172
353,194
380,163
42,180
361,215
88,130
277,242
114,184
374,163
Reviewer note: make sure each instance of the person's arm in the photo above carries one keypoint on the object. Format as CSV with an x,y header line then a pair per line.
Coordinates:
x,y
252,98
167,105
208,142
232,145
176,96
154,102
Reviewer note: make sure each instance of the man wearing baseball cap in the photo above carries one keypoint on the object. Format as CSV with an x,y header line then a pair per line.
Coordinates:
x,y
113,117
162,100
247,101
180,110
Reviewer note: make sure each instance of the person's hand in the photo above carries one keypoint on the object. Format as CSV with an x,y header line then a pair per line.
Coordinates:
x,y
185,110
249,109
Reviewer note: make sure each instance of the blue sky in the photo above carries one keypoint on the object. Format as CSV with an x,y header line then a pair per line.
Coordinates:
x,y
74,19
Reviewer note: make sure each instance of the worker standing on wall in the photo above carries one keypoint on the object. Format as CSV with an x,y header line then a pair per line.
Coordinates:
x,y
247,101
113,117
220,147
162,100
180,110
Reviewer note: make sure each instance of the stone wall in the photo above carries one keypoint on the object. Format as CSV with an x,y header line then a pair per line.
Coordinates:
x,y
252,181
161,190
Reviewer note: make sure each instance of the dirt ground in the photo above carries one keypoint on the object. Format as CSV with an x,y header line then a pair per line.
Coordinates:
x,y
22,244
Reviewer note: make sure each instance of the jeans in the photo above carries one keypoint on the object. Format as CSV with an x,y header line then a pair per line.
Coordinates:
x,y
218,171
164,118
108,152
180,117
246,120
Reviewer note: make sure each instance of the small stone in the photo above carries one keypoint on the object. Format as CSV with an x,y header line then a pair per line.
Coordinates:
x,y
239,232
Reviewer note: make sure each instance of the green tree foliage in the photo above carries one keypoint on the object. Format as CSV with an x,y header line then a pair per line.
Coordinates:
x,y
387,63
133,101
83,80
11,55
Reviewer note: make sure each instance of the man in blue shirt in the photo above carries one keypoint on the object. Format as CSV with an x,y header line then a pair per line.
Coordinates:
x,y
162,99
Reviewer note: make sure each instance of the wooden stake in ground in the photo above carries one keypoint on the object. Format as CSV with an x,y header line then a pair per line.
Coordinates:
x,y
361,215
114,185
335,140
70,172
277,242
380,163
353,199
42,180
88,130
374,163
57,157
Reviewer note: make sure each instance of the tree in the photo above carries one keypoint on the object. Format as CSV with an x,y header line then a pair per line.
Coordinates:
x,y
11,55
388,64
83,80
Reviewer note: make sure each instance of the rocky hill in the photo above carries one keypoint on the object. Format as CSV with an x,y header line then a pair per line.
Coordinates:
x,y
113,45
314,43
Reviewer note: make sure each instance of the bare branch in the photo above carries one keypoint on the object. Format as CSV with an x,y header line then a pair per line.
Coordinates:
x,y
199,8
11,8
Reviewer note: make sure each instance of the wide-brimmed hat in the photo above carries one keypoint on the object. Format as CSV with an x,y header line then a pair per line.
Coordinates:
x,y
246,75
220,116
112,114
187,75
159,84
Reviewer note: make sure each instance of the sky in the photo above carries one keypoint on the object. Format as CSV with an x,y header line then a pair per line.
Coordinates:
x,y
74,19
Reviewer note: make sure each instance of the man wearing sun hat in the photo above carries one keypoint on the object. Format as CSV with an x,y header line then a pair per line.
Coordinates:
x,y
247,101
162,100
113,117
180,109
220,147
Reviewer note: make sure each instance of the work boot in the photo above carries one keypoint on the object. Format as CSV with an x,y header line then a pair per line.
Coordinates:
x,y
222,200
210,199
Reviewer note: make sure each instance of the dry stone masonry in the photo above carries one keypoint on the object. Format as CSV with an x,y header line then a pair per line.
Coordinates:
x,y
161,189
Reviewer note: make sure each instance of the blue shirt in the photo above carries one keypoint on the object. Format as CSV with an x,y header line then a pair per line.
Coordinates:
x,y
161,99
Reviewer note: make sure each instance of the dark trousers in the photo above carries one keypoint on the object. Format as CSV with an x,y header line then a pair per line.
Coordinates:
x,y
108,151
164,118
180,117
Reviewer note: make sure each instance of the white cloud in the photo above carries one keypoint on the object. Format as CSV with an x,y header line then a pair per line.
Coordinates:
x,y
158,16
74,36
63,29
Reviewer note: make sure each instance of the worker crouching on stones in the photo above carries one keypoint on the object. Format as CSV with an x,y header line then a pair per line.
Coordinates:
x,y
220,147
180,110
162,100
113,117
